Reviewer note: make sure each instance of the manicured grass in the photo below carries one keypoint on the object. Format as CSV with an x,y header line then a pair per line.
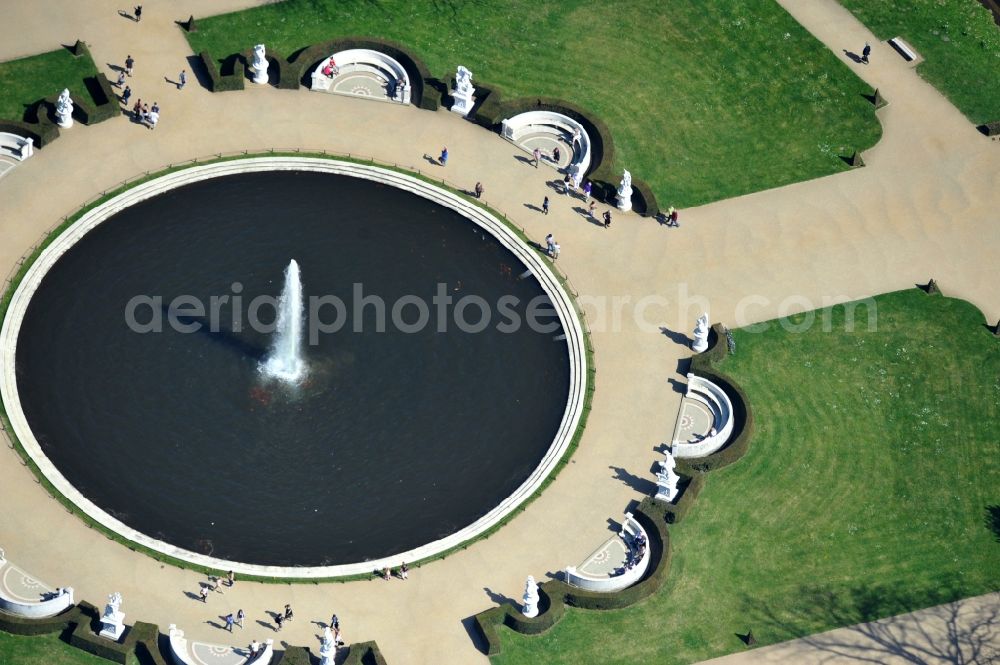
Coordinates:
x,y
706,99
25,81
959,41
870,489
43,650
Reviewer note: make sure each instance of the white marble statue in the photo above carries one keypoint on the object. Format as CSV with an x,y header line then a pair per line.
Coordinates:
x,y
667,478
530,598
113,619
259,64
328,648
700,334
463,92
64,109
625,192
463,79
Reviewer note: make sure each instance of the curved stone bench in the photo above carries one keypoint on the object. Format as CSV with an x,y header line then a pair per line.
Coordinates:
x,y
593,581
16,147
183,654
718,402
365,60
20,602
549,122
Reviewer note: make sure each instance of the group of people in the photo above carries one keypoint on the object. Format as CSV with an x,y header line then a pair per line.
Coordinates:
x,y
142,113
403,572
551,246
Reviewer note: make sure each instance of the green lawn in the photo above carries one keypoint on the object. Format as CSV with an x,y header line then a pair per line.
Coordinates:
x,y
27,80
872,487
44,650
706,99
959,41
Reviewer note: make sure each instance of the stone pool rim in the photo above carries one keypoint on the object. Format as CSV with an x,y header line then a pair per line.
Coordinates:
x,y
62,240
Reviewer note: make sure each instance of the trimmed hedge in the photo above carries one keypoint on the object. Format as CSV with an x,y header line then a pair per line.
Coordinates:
x,y
991,128
146,637
104,104
42,134
222,82
364,653
555,595
300,68
690,488
643,199
16,625
296,656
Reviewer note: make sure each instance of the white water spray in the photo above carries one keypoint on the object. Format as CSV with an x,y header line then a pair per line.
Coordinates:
x,y
284,361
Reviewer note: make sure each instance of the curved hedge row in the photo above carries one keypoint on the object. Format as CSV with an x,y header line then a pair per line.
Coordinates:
x,y
299,67
555,595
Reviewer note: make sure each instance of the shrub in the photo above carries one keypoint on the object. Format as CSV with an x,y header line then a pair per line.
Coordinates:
x,y
222,82
643,199
296,656
104,102
991,128
364,653
41,133
16,625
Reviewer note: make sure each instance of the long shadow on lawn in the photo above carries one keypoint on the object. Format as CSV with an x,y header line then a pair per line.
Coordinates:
x,y
949,632
993,520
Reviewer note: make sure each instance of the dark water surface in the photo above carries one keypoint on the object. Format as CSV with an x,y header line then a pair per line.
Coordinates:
x,y
395,439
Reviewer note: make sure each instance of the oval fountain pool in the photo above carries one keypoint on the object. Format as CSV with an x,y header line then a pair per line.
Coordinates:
x,y
138,369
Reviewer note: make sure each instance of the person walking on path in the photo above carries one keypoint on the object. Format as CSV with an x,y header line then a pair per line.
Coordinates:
x,y
121,79
590,210
567,183
231,576
443,159
288,613
536,154
129,64
550,242
203,593
866,52
588,187
545,205
229,622
138,13
278,620
555,250
137,110
404,571
240,616
335,622
126,94
479,190
182,79
607,218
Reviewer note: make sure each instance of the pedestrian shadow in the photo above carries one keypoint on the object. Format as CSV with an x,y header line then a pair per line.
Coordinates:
x,y
531,206
125,14
115,68
853,56
524,160
431,160
586,215
215,625
192,595
555,185
265,624
176,84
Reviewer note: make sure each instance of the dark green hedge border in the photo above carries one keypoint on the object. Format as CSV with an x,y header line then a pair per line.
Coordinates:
x,y
80,625
555,595
589,387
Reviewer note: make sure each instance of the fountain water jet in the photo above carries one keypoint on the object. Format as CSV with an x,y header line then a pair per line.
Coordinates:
x,y
284,361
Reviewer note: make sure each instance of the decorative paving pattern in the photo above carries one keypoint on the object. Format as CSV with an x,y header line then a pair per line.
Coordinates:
x,y
609,557
361,84
5,166
693,422
546,142
217,654
19,585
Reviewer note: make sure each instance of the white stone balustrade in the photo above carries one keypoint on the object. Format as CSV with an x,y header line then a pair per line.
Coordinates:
x,y
718,402
365,60
551,122
630,531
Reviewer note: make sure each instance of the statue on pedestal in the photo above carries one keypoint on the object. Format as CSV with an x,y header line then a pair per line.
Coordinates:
x,y
700,334
259,64
667,478
113,619
463,80
625,192
530,598
463,92
64,109
328,648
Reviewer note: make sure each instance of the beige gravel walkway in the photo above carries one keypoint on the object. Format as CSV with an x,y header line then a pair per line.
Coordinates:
x,y
924,207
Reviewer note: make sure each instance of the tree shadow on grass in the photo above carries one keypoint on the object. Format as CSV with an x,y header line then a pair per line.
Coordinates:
x,y
992,520
950,631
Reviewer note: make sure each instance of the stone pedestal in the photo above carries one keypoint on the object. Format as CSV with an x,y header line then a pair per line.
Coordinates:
x,y
667,479
64,110
700,342
113,626
530,598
